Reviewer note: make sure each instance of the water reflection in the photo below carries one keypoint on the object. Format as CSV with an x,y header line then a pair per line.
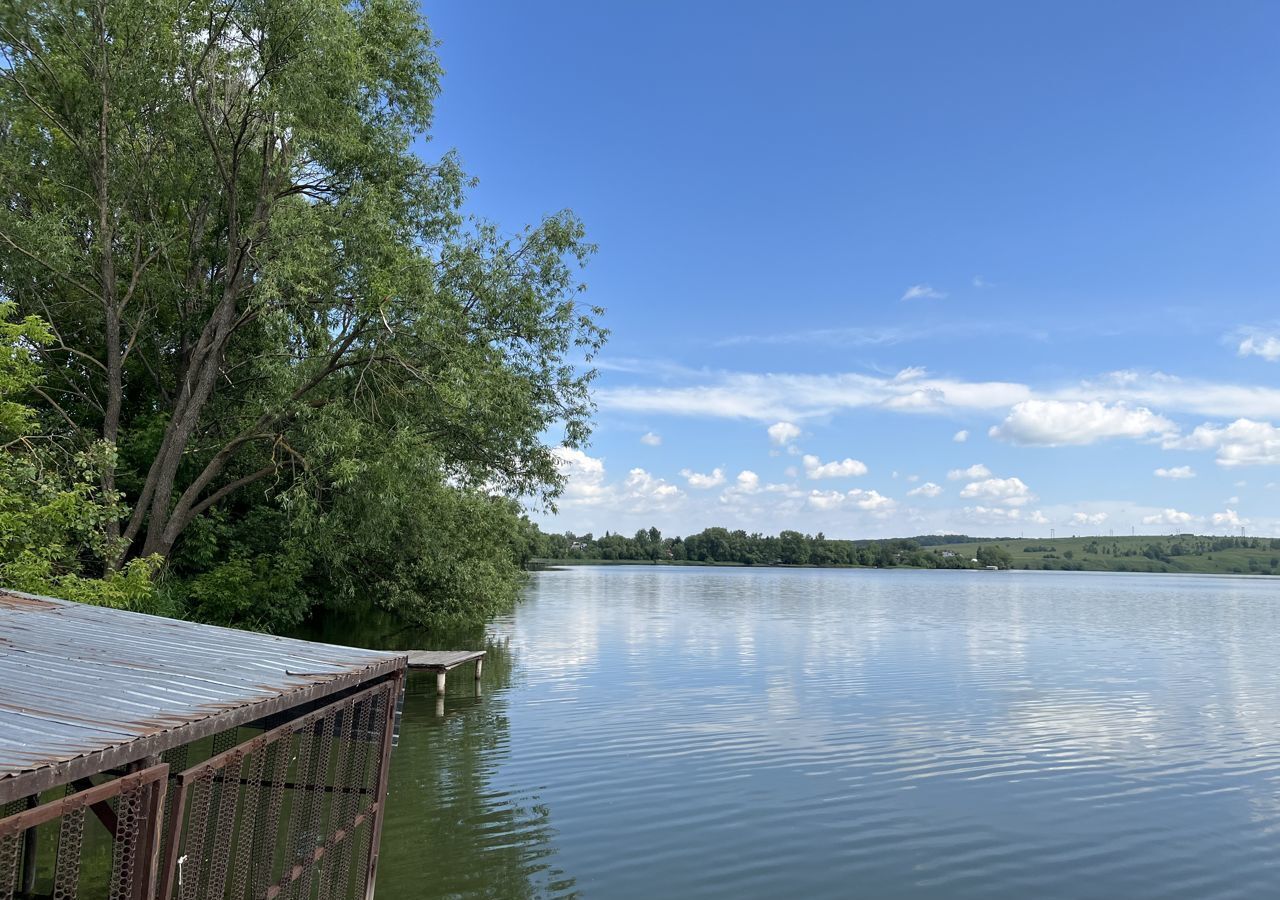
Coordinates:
x,y
729,733
453,829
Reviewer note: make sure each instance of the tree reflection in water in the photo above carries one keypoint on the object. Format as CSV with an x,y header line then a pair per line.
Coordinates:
x,y
452,828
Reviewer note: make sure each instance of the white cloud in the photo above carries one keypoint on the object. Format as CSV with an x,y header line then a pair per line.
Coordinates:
x,y
1053,423
1169,516
991,514
650,439
774,397
645,491
923,292
748,482
961,436
1244,442
586,486
703,482
845,468
1037,518
871,500
1229,517
1082,518
928,489
584,476
826,499
1176,472
979,282
783,433
868,501
1005,491
912,479
1261,343
977,470
1231,501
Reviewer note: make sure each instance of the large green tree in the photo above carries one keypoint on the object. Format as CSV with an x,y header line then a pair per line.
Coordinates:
x,y
266,306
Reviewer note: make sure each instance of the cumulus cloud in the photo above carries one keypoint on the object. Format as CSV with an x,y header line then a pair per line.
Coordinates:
x,y
1244,442
1083,518
1260,343
977,470
703,482
990,514
868,501
584,476
648,491
650,439
1005,491
1037,518
845,468
923,292
1169,516
1176,472
961,436
1054,423
747,481
586,486
928,489
1230,518
783,434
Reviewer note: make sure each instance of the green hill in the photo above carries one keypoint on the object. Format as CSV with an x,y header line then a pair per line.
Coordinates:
x,y
1140,553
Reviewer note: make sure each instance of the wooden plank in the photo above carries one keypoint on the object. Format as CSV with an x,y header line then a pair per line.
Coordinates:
x,y
442,660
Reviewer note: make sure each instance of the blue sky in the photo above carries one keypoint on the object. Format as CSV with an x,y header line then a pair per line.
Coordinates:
x,y
835,237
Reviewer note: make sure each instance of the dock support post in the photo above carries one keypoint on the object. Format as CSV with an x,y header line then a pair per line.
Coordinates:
x,y
479,667
440,676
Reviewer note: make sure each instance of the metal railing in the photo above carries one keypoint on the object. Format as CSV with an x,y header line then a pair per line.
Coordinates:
x,y
128,808
295,812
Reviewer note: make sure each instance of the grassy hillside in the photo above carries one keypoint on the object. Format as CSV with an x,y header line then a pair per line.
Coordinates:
x,y
1149,553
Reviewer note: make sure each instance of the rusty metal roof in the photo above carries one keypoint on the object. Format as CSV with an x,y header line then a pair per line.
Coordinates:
x,y
84,688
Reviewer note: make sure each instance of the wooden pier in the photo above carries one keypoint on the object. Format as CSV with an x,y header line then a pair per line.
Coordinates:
x,y
442,661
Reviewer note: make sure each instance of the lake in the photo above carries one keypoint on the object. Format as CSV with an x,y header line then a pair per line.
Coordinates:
x,y
678,732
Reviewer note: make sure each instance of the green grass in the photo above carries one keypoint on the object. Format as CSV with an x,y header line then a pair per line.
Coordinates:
x,y
1125,554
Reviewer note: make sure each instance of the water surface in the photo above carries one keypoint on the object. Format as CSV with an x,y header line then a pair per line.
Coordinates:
x,y
673,732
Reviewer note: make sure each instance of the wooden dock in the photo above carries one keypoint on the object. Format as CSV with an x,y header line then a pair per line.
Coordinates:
x,y
441,661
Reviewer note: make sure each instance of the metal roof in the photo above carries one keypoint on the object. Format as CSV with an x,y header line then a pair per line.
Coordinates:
x,y
84,688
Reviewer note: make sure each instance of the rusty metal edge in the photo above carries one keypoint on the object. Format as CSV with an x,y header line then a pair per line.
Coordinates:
x,y
30,818
384,775
34,781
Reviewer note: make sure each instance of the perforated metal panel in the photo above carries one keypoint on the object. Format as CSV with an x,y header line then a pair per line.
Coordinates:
x,y
294,812
132,825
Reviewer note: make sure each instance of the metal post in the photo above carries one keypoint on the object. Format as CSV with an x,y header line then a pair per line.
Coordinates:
x,y
375,839
30,848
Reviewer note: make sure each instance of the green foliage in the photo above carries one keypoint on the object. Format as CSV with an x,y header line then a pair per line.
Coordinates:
x,y
51,511
725,547
994,555
280,364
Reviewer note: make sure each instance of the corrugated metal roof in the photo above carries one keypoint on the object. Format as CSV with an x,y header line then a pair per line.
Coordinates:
x,y
76,680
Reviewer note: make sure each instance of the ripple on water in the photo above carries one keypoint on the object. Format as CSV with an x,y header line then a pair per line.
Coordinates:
x,y
748,733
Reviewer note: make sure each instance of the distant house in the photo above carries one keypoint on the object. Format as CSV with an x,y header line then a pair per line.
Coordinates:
x,y
577,545
948,554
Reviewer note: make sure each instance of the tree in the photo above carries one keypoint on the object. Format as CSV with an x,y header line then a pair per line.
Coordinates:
x,y
257,295
51,508
994,555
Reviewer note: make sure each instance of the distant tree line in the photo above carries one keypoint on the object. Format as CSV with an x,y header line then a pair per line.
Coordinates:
x,y
788,548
